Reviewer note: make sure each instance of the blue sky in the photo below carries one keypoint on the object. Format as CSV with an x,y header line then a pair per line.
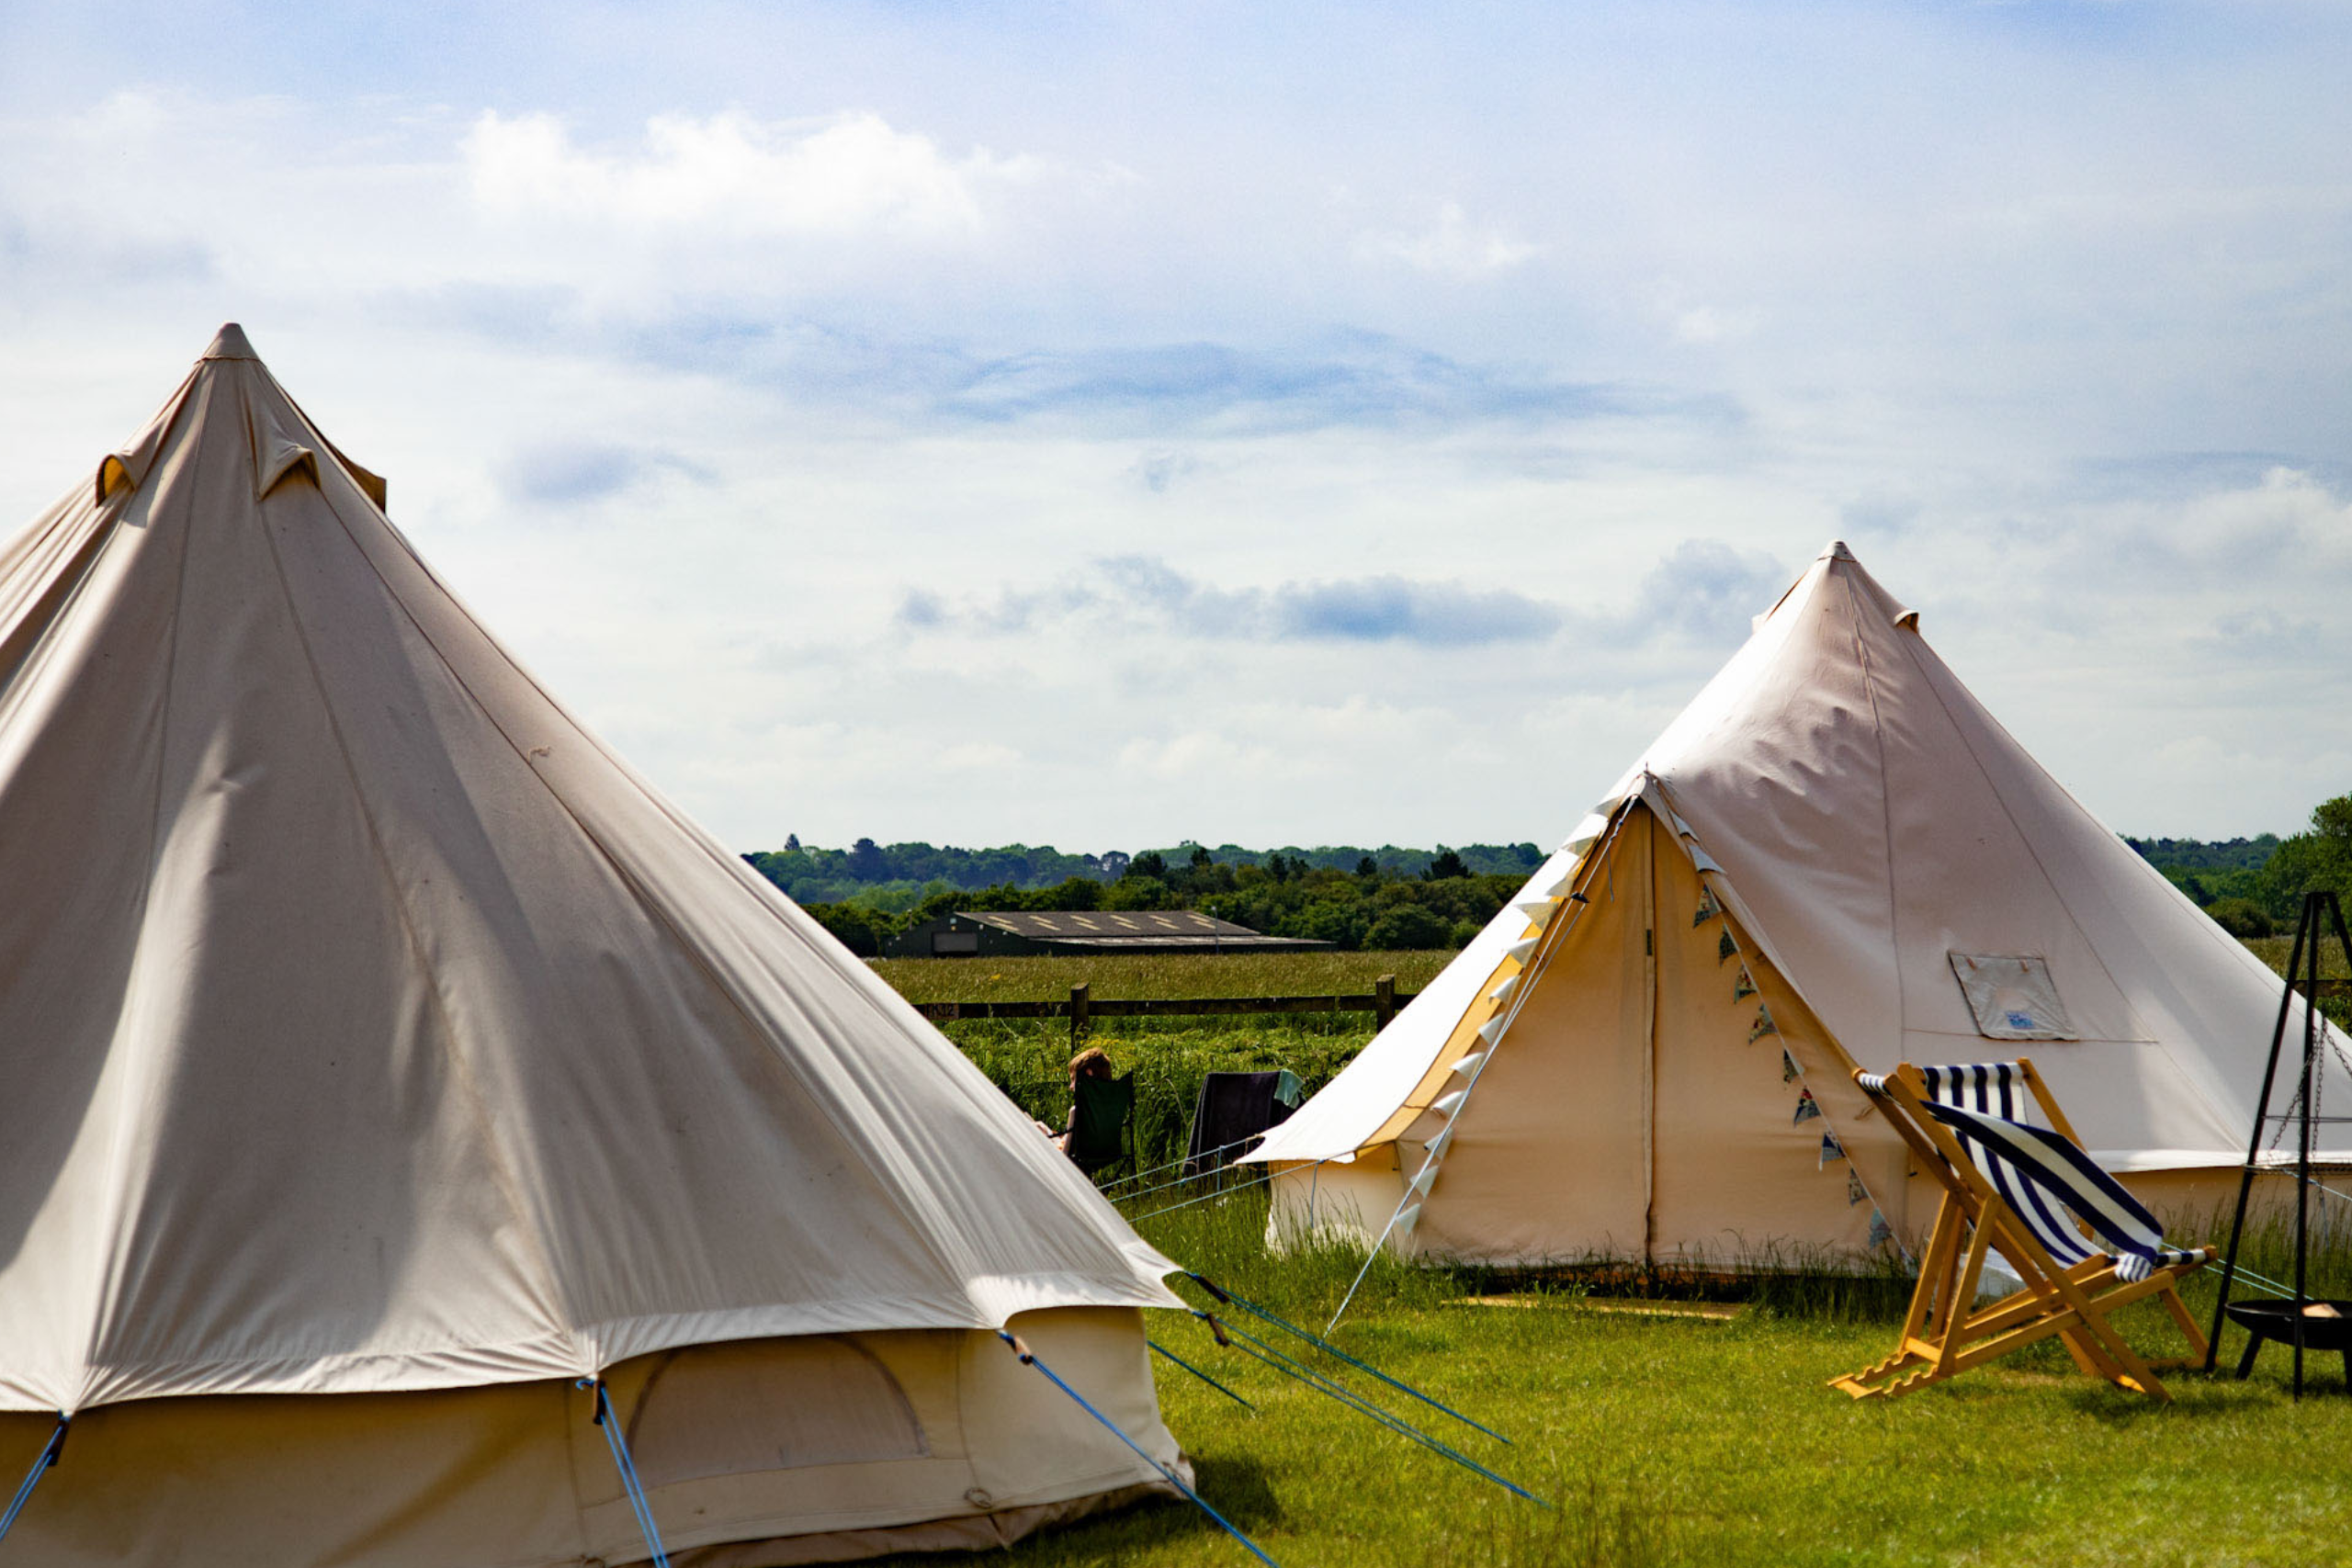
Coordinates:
x,y
1102,424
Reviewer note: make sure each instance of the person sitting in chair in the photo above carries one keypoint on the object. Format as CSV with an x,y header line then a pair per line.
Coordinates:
x,y
1090,1062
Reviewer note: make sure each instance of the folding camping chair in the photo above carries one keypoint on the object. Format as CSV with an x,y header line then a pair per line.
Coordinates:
x,y
2009,1188
1101,1122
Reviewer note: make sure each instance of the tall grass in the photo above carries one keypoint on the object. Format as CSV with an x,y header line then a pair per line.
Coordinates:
x,y
1156,974
2276,950
1030,1061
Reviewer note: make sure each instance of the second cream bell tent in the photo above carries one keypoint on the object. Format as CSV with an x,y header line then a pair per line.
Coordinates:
x,y
380,1057
1834,858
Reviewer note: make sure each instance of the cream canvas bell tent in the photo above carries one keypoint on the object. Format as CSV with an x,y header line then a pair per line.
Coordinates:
x,y
379,1057
1835,857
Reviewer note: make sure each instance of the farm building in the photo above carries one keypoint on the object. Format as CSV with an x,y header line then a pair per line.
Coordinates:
x,y
969,933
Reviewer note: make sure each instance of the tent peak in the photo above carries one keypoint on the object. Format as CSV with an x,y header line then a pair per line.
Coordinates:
x,y
1835,550
228,342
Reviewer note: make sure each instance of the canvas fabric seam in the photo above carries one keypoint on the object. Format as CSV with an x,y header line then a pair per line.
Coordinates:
x,y
1885,807
652,911
453,1053
1961,734
118,1177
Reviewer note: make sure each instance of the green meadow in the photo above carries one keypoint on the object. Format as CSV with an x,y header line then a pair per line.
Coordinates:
x,y
1661,1437
1656,1431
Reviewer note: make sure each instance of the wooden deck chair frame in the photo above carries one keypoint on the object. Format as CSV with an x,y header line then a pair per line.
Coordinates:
x,y
1945,1333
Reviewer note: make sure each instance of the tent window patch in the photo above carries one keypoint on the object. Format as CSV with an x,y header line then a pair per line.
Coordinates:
x,y
2012,997
760,1404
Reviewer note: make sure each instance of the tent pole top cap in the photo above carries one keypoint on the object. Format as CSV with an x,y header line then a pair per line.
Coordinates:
x,y
228,342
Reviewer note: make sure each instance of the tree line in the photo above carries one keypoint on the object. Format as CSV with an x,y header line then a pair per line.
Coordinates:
x,y
1441,903
896,876
1393,897
2256,887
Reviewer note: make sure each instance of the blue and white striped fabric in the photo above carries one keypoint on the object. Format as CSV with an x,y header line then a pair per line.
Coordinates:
x,y
2041,1174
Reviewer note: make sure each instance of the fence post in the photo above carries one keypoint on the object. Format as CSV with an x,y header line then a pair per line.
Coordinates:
x,y
1077,1017
1384,1002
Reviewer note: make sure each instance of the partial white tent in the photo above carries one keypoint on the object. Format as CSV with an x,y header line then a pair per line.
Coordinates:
x,y
381,1056
1834,857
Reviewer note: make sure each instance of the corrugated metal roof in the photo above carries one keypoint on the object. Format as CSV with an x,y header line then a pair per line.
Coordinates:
x,y
1106,925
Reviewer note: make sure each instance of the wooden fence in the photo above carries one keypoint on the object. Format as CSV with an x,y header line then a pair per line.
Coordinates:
x,y
1082,1008
1382,1001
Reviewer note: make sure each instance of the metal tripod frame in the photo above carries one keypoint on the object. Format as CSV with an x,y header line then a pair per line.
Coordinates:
x,y
2308,933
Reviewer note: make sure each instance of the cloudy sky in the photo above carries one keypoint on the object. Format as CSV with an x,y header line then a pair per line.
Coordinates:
x,y
1103,424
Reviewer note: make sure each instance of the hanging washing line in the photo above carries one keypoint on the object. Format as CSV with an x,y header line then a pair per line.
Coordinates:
x,y
1029,1358
1181,1160
1173,1181
1234,1191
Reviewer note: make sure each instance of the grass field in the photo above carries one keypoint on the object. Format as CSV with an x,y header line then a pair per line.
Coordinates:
x,y
2276,950
1662,1439
1156,974
1168,1056
1683,1440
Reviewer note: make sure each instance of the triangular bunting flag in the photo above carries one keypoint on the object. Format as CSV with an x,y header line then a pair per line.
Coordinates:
x,y
1743,987
1790,1071
1806,1108
1881,1233
1830,1149
1763,1024
1724,946
1855,1190
1708,909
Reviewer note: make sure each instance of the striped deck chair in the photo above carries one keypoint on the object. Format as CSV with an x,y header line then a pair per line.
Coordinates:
x,y
2029,1194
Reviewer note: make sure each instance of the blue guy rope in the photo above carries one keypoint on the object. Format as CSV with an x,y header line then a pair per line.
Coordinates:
x,y
1254,1310
1029,1358
43,1464
630,1485
1200,1374
1250,1344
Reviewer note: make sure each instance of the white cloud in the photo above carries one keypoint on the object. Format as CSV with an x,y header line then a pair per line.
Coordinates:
x,y
685,406
1451,246
851,174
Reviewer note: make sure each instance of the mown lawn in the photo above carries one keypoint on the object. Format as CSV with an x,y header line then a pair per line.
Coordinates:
x,y
1675,1440
1662,1441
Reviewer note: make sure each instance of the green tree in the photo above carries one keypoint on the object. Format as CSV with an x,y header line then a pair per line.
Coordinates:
x,y
1407,926
2309,863
2241,916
